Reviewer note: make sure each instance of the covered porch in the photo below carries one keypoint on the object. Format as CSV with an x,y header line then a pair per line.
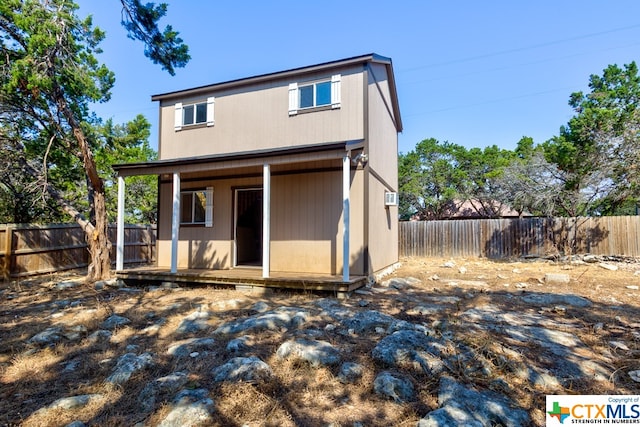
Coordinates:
x,y
212,255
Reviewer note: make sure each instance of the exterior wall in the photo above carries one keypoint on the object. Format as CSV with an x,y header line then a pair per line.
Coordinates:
x,y
306,224
306,218
383,229
257,118
383,176
201,247
356,229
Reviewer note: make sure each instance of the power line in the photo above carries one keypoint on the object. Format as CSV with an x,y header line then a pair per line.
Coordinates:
x,y
523,64
492,101
519,49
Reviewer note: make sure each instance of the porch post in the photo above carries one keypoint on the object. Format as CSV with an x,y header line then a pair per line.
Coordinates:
x,y
175,222
266,219
346,179
120,226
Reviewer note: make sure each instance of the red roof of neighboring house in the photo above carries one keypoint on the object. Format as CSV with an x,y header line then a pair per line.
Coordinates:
x,y
474,208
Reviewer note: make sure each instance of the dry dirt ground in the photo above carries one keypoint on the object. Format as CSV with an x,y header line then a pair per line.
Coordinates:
x,y
32,376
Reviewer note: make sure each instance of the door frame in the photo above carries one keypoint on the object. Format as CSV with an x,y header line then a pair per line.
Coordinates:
x,y
236,190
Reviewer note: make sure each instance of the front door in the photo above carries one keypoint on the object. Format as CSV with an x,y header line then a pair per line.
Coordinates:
x,y
248,227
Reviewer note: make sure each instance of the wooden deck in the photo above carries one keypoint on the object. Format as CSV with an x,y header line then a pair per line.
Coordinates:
x,y
242,278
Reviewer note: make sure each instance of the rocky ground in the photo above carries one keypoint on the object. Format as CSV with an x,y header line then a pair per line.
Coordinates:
x,y
437,343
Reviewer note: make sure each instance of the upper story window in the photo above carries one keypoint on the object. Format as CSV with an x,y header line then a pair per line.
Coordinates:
x,y
312,95
194,114
196,207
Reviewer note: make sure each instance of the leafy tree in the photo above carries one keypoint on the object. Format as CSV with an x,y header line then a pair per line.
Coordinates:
x,y
164,48
20,197
598,151
483,168
125,144
430,180
48,78
437,177
49,75
529,183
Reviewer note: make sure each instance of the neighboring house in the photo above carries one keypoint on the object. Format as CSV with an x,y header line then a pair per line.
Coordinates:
x,y
474,208
293,171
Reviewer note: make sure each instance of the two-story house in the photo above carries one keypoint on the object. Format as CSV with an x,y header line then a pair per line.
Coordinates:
x,y
288,173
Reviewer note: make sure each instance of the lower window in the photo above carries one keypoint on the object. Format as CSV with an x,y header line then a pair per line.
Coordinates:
x,y
196,207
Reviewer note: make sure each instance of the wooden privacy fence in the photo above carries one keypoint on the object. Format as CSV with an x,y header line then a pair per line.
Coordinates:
x,y
35,249
509,238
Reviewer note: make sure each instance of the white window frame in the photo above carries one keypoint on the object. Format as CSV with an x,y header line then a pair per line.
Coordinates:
x,y
314,94
294,95
180,110
208,195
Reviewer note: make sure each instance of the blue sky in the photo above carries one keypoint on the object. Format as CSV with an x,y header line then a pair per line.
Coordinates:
x,y
475,73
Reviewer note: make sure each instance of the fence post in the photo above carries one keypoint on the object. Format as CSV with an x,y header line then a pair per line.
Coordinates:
x,y
8,255
149,239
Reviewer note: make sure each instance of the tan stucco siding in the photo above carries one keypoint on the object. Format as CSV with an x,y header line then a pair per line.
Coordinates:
x,y
383,155
383,229
306,224
356,229
383,136
201,247
257,118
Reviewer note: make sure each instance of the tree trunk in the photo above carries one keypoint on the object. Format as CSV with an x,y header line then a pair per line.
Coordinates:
x,y
98,241
97,236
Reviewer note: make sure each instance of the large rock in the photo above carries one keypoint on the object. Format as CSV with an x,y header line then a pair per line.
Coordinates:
x,y
190,408
366,322
372,321
411,350
127,365
247,369
236,345
283,318
333,309
115,321
100,336
607,266
70,284
426,309
185,347
462,406
168,384
350,372
393,386
315,352
194,322
568,358
557,299
557,278
400,282
47,337
72,402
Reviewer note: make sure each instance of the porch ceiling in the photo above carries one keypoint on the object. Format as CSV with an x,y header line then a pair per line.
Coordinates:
x,y
246,161
256,170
